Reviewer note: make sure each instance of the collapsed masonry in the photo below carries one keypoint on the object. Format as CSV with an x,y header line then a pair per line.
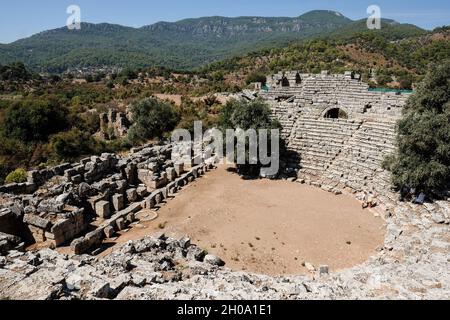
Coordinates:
x,y
337,130
114,124
83,203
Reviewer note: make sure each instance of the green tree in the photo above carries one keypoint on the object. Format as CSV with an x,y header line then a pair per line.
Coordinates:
x,y
256,77
383,79
68,146
15,71
34,120
405,82
191,111
423,157
152,119
245,115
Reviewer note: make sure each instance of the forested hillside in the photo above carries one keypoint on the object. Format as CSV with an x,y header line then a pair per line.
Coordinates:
x,y
389,57
181,45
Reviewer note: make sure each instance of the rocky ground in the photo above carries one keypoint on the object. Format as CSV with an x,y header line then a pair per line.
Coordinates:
x,y
414,264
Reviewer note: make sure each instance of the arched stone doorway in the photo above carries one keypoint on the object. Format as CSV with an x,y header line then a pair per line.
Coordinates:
x,y
335,113
298,78
285,82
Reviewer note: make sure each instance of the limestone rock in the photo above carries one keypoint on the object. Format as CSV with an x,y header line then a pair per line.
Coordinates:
x,y
214,260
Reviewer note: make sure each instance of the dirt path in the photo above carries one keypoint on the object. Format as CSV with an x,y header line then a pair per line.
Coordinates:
x,y
269,227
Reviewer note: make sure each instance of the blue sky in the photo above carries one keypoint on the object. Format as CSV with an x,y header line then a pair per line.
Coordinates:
x,y
22,18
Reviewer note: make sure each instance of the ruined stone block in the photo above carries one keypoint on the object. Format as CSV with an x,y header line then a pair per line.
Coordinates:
x,y
159,198
49,236
171,188
109,232
145,176
142,191
121,186
118,202
83,244
70,173
180,183
179,168
38,234
150,202
120,224
85,160
36,221
66,229
152,166
171,174
132,195
9,222
131,173
93,201
165,192
77,179
130,218
102,209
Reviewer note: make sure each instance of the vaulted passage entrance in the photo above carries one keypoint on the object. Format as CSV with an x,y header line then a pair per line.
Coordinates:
x,y
336,113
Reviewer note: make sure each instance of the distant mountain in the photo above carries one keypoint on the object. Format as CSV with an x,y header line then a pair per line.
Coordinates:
x,y
390,29
183,45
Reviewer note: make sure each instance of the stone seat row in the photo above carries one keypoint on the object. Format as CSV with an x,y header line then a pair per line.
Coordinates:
x,y
317,145
318,137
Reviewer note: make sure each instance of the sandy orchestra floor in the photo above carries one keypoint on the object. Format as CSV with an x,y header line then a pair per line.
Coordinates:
x,y
269,227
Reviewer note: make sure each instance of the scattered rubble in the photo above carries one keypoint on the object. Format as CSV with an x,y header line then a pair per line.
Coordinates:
x,y
104,193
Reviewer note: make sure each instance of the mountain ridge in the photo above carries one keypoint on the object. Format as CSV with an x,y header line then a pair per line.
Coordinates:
x,y
182,45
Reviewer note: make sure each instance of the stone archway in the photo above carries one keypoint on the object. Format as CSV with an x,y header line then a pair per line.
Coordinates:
x,y
285,82
335,113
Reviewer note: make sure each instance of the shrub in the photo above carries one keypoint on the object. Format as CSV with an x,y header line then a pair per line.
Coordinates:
x,y
423,157
256,77
383,79
17,176
191,111
34,120
72,144
15,71
152,119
